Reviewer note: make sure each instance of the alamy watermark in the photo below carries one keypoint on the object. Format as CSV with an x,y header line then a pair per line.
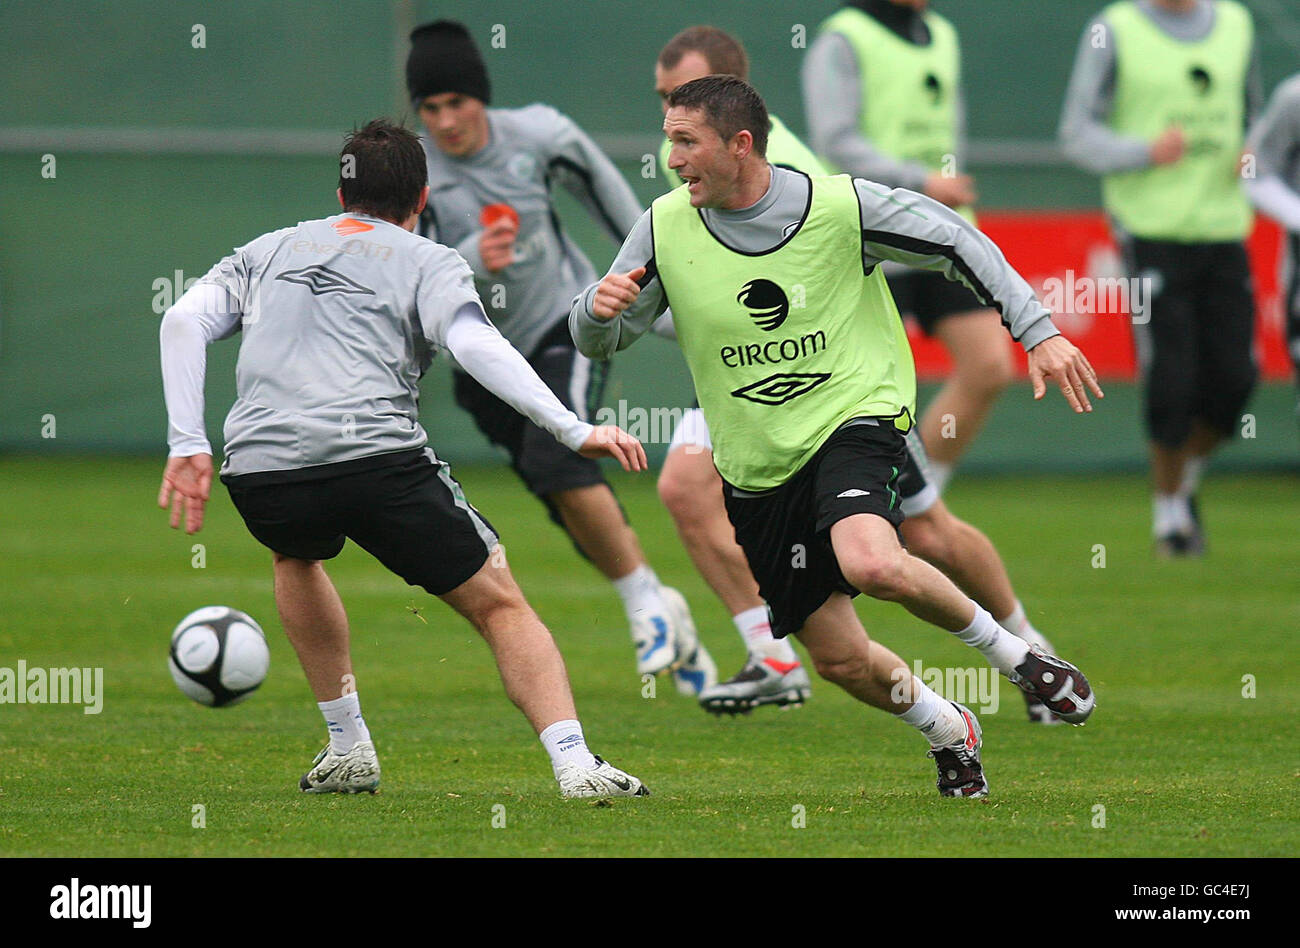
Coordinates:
x,y
974,687
23,685
648,425
1100,296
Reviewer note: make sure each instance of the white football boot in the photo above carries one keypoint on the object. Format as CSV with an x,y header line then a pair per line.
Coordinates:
x,y
693,670
655,641
603,781
357,771
762,681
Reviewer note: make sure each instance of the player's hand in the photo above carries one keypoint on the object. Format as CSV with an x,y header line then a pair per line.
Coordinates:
x,y
496,248
611,441
1169,146
616,293
186,485
954,190
1059,360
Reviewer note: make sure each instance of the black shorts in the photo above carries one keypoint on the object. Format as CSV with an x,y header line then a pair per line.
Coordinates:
x,y
785,532
1195,348
545,465
929,297
404,509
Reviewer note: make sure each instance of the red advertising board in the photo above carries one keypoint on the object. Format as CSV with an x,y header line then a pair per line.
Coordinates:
x,y
1073,264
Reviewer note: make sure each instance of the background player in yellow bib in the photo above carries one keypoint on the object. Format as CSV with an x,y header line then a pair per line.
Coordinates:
x,y
882,92
802,372
691,488
1158,104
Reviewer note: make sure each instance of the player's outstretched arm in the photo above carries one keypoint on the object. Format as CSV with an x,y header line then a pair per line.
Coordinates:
x,y
206,312
186,487
1059,360
496,365
611,441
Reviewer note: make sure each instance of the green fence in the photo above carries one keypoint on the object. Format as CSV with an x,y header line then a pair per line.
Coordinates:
x,y
140,140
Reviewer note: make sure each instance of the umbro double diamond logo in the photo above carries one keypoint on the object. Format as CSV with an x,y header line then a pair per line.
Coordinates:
x,y
853,492
781,388
321,280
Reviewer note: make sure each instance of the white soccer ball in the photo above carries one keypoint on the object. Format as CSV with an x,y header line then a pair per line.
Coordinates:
x,y
218,656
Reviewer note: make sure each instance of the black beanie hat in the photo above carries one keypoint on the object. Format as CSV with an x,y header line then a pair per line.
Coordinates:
x,y
444,58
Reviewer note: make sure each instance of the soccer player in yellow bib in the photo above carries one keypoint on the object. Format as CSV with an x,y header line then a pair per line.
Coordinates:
x,y
883,95
806,380
691,488
1158,104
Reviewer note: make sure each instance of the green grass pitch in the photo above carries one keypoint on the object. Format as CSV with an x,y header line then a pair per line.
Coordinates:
x,y
1183,763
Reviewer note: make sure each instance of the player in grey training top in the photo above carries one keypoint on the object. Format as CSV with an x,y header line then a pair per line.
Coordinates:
x,y
490,176
1275,190
340,318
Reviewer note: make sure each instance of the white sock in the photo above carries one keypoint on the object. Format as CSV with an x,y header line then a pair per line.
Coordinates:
x,y
565,744
756,630
1170,514
1003,650
344,721
640,592
1018,625
934,716
939,473
1193,468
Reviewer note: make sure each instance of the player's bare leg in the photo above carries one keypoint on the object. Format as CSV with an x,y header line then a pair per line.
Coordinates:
x,y
691,489
527,658
844,654
871,559
966,556
315,623
661,625
317,627
593,518
982,368
535,679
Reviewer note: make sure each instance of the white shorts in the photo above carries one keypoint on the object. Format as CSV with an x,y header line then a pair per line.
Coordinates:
x,y
692,432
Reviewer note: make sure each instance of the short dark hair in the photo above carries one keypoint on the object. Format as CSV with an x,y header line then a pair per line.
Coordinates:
x,y
730,105
386,172
720,50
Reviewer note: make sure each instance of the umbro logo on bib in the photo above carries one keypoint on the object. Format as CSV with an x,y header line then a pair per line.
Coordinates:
x,y
782,387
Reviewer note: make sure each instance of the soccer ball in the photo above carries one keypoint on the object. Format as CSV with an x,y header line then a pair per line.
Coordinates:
x,y
218,656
